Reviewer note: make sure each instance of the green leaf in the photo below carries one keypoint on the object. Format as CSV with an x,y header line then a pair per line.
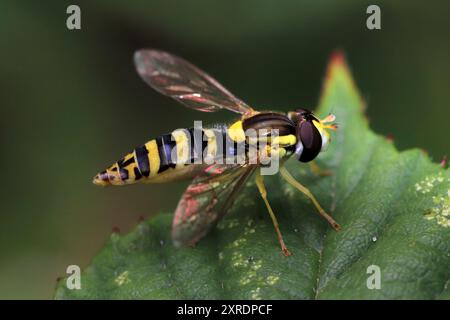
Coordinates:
x,y
393,208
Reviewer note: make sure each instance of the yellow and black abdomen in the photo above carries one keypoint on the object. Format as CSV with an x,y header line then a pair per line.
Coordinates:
x,y
163,159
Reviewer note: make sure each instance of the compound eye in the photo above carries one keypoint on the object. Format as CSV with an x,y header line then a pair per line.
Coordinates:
x,y
311,139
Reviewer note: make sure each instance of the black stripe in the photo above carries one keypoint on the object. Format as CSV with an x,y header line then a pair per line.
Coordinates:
x,y
142,160
165,147
204,144
103,176
128,162
123,174
193,152
137,174
197,146
122,171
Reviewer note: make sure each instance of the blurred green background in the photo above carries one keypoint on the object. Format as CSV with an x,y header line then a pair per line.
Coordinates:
x,y
71,102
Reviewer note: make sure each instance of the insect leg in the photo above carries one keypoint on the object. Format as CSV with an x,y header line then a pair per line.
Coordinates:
x,y
263,192
291,180
327,122
328,119
316,169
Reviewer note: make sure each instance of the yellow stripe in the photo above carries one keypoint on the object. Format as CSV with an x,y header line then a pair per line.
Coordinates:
x,y
211,149
131,175
183,149
128,157
153,157
236,132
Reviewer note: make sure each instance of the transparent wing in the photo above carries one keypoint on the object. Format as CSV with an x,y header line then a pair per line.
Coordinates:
x,y
177,78
206,200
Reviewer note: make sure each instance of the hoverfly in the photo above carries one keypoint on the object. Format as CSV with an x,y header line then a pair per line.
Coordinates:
x,y
215,185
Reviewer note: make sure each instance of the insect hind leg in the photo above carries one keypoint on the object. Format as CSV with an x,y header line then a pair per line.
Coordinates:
x,y
263,192
291,180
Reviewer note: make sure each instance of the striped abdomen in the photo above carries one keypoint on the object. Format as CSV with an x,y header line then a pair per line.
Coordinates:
x,y
166,158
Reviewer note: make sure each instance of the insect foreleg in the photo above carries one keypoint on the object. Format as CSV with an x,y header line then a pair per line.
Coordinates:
x,y
291,180
263,192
